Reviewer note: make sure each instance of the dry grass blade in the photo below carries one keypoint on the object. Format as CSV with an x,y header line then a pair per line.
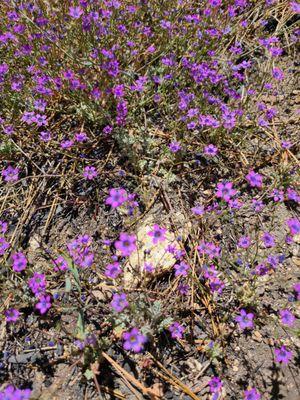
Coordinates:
x,y
174,380
127,376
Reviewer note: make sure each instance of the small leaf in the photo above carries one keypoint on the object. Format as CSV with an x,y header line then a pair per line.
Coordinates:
x,y
89,374
68,285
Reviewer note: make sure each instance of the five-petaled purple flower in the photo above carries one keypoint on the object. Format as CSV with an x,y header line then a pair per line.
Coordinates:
x,y
294,226
283,355
157,233
116,197
225,191
44,304
286,317
244,242
11,315
254,179
126,244
245,320
134,340
90,173
119,302
210,150
215,384
19,261
252,394
10,174
75,12
113,270
176,330
181,269
268,239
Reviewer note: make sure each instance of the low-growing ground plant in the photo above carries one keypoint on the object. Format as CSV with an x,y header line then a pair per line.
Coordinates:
x,y
149,226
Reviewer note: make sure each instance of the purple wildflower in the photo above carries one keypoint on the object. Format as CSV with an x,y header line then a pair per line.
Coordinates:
x,y
176,330
11,315
90,173
215,384
296,288
12,393
277,74
3,226
37,283
244,242
4,245
252,394
60,264
210,150
181,269
283,355
44,304
268,239
113,270
198,210
174,146
116,197
75,12
19,261
254,179
225,191
245,320
10,174
157,233
294,226
286,317
119,302
134,340
126,244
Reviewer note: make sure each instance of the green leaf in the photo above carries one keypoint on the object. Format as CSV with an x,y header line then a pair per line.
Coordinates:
x,y
88,374
68,285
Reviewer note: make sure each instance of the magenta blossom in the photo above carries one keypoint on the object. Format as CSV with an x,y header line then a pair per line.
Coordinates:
x,y
210,150
157,233
174,146
225,191
113,270
10,174
286,317
294,226
268,239
254,179
12,393
119,302
11,315
252,394
176,330
60,264
215,384
75,12
245,320
244,242
116,197
181,269
283,355
126,244
44,304
134,340
90,173
19,261
4,245
278,74
37,283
